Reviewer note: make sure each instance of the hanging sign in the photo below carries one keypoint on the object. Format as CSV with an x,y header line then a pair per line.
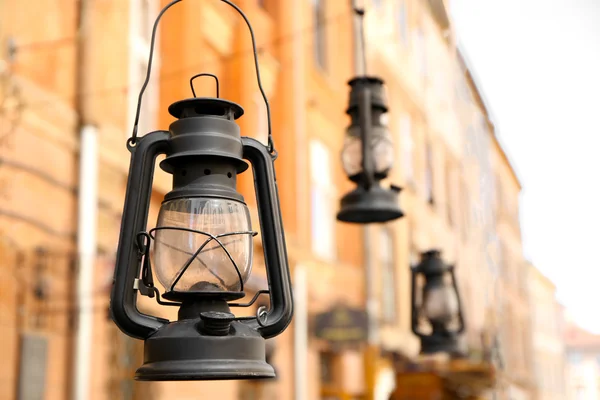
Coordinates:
x,y
342,326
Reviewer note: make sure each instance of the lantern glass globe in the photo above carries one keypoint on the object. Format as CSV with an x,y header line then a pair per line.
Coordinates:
x,y
212,233
382,150
440,303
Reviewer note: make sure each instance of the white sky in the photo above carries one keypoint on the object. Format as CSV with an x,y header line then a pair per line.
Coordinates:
x,y
538,63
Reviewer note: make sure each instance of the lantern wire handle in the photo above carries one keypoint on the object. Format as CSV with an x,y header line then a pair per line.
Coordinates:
x,y
132,140
204,74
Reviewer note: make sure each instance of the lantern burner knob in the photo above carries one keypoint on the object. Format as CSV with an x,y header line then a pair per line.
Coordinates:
x,y
216,323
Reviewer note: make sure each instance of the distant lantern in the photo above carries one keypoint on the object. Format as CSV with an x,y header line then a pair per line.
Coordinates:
x,y
368,156
201,249
440,305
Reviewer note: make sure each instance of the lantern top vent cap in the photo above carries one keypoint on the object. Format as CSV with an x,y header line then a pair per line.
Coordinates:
x,y
205,106
432,263
433,253
365,80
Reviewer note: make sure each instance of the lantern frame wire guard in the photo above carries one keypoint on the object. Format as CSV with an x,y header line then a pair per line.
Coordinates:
x,y
148,281
207,341
443,340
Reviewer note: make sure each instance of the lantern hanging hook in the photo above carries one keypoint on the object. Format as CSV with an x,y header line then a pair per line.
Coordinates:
x,y
204,74
132,140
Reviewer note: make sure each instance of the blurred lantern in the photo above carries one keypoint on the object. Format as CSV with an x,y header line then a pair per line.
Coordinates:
x,y
439,305
368,156
201,247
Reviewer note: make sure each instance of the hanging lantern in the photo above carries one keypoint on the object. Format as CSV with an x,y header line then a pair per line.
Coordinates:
x,y
368,155
440,305
201,248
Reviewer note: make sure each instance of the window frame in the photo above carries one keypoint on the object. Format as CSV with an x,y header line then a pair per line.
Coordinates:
x,y
319,32
262,123
402,23
450,190
388,275
420,50
407,147
323,191
139,51
572,355
429,174
466,221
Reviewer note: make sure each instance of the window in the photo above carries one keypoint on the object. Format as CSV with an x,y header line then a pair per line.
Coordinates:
x,y
146,19
327,367
449,193
414,258
574,358
33,357
262,127
429,174
499,193
145,124
256,390
388,275
323,199
402,22
466,209
125,355
260,389
407,147
461,90
441,83
504,263
142,14
581,393
420,52
320,33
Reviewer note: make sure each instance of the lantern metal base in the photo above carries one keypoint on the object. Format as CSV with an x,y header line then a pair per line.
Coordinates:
x,y
180,352
374,205
438,344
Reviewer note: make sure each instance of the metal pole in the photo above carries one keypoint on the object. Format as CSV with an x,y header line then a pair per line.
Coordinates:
x,y
359,45
372,350
87,206
300,333
86,247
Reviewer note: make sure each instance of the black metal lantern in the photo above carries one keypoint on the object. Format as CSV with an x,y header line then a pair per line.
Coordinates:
x,y
440,305
368,155
201,247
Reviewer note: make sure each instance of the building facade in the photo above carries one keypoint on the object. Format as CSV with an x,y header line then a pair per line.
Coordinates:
x,y
514,307
448,161
548,341
583,363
